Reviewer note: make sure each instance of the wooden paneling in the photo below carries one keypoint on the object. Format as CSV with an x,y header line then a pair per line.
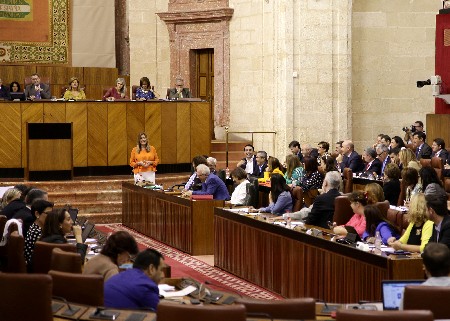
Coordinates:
x,y
200,129
32,112
77,114
96,76
50,154
11,136
135,125
54,112
153,126
117,134
183,133
438,126
97,134
16,73
169,134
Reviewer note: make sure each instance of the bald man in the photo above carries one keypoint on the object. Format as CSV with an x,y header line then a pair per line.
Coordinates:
x,y
351,158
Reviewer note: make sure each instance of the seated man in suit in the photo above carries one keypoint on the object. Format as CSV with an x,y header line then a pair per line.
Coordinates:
x,y
179,91
322,210
373,164
4,91
383,156
436,261
248,163
423,150
294,146
261,164
438,213
211,185
439,150
350,159
136,288
37,90
308,151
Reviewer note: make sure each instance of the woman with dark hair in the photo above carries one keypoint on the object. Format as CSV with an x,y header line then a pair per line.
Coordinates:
x,y
280,196
376,222
239,195
14,87
327,164
358,200
312,179
118,249
145,91
391,185
410,177
194,183
322,149
431,184
397,142
144,160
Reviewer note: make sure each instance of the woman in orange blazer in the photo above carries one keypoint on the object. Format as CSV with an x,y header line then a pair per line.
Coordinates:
x,y
143,160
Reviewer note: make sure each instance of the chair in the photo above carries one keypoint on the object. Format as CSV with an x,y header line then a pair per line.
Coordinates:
x,y
358,315
64,261
348,180
428,297
133,91
383,207
342,210
25,297
42,255
297,198
438,164
425,162
310,196
174,312
15,254
402,196
78,288
252,198
295,309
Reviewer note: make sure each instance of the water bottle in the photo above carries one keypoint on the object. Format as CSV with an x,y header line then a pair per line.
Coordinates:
x,y
378,242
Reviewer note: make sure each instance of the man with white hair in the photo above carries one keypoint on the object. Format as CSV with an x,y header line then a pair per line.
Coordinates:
x,y
323,207
211,184
307,150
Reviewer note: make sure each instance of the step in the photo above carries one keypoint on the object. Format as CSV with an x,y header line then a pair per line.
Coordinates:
x,y
103,218
221,156
86,196
220,146
94,207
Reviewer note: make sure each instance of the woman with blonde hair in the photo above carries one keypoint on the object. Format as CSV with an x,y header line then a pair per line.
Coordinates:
x,y
144,160
118,92
408,159
419,230
294,170
273,167
74,92
374,192
10,195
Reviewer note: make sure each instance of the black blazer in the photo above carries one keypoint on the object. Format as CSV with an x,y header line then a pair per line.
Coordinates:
x,y
444,235
323,209
374,167
443,154
4,93
259,172
354,162
391,191
424,152
255,166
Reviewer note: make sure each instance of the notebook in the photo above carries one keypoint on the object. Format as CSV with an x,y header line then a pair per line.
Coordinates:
x,y
392,292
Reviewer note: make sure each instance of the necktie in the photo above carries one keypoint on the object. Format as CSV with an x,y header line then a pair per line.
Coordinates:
x,y
38,93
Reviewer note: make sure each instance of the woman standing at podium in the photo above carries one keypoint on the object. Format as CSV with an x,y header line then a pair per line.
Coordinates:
x,y
144,160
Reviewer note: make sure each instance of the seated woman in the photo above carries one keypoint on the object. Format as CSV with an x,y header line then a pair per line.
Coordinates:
x,y
327,164
312,178
410,177
74,92
376,222
358,200
408,159
419,230
14,87
391,186
145,92
118,92
274,167
118,249
280,196
240,192
294,170
374,193
397,142
322,149
431,184
57,224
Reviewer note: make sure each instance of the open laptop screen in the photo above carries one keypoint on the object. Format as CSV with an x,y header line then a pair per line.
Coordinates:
x,y
392,292
88,227
17,95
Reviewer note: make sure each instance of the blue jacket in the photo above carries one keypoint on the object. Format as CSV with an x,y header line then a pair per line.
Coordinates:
x,y
385,232
214,186
131,289
283,204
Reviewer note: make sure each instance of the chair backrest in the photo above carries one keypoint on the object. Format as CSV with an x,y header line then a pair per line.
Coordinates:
x,y
342,210
42,255
438,164
171,312
425,162
78,288
25,297
297,198
64,261
310,196
383,207
358,315
133,91
428,297
348,180
397,218
402,196
252,197
44,80
295,309
15,254
3,220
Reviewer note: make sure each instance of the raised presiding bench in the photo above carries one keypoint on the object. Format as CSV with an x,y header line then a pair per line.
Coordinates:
x,y
181,223
295,264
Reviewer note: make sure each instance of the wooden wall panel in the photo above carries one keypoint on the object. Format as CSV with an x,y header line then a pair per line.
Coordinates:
x,y
16,73
42,154
183,133
76,113
96,76
117,134
31,113
11,136
200,129
54,112
97,134
438,126
153,124
169,134
135,124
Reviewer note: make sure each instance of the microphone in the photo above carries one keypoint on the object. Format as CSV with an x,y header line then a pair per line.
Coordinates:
x,y
328,309
70,310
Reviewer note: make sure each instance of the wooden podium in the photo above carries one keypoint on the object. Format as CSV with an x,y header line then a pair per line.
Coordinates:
x,y
49,151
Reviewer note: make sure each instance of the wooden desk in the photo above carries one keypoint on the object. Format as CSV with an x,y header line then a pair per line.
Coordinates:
x,y
294,264
181,223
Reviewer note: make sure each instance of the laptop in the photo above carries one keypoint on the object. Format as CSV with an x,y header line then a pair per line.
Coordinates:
x,y
17,96
88,227
392,292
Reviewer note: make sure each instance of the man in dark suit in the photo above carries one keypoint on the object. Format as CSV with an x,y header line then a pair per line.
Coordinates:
x,y
211,184
323,207
437,212
37,90
383,156
4,91
261,164
423,150
179,91
248,163
439,150
351,159
294,146
373,164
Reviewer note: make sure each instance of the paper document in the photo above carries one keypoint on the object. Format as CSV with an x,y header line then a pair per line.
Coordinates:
x,y
239,210
170,294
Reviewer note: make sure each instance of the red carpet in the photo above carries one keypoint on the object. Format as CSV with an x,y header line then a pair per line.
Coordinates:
x,y
184,265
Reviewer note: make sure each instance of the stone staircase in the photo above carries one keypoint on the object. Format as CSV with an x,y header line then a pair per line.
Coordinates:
x,y
99,199
235,152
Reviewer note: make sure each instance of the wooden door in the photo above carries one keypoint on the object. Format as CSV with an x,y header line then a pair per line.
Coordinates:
x,y
205,79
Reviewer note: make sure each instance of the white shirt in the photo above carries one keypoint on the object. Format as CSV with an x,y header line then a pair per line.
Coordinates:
x,y
249,166
239,194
